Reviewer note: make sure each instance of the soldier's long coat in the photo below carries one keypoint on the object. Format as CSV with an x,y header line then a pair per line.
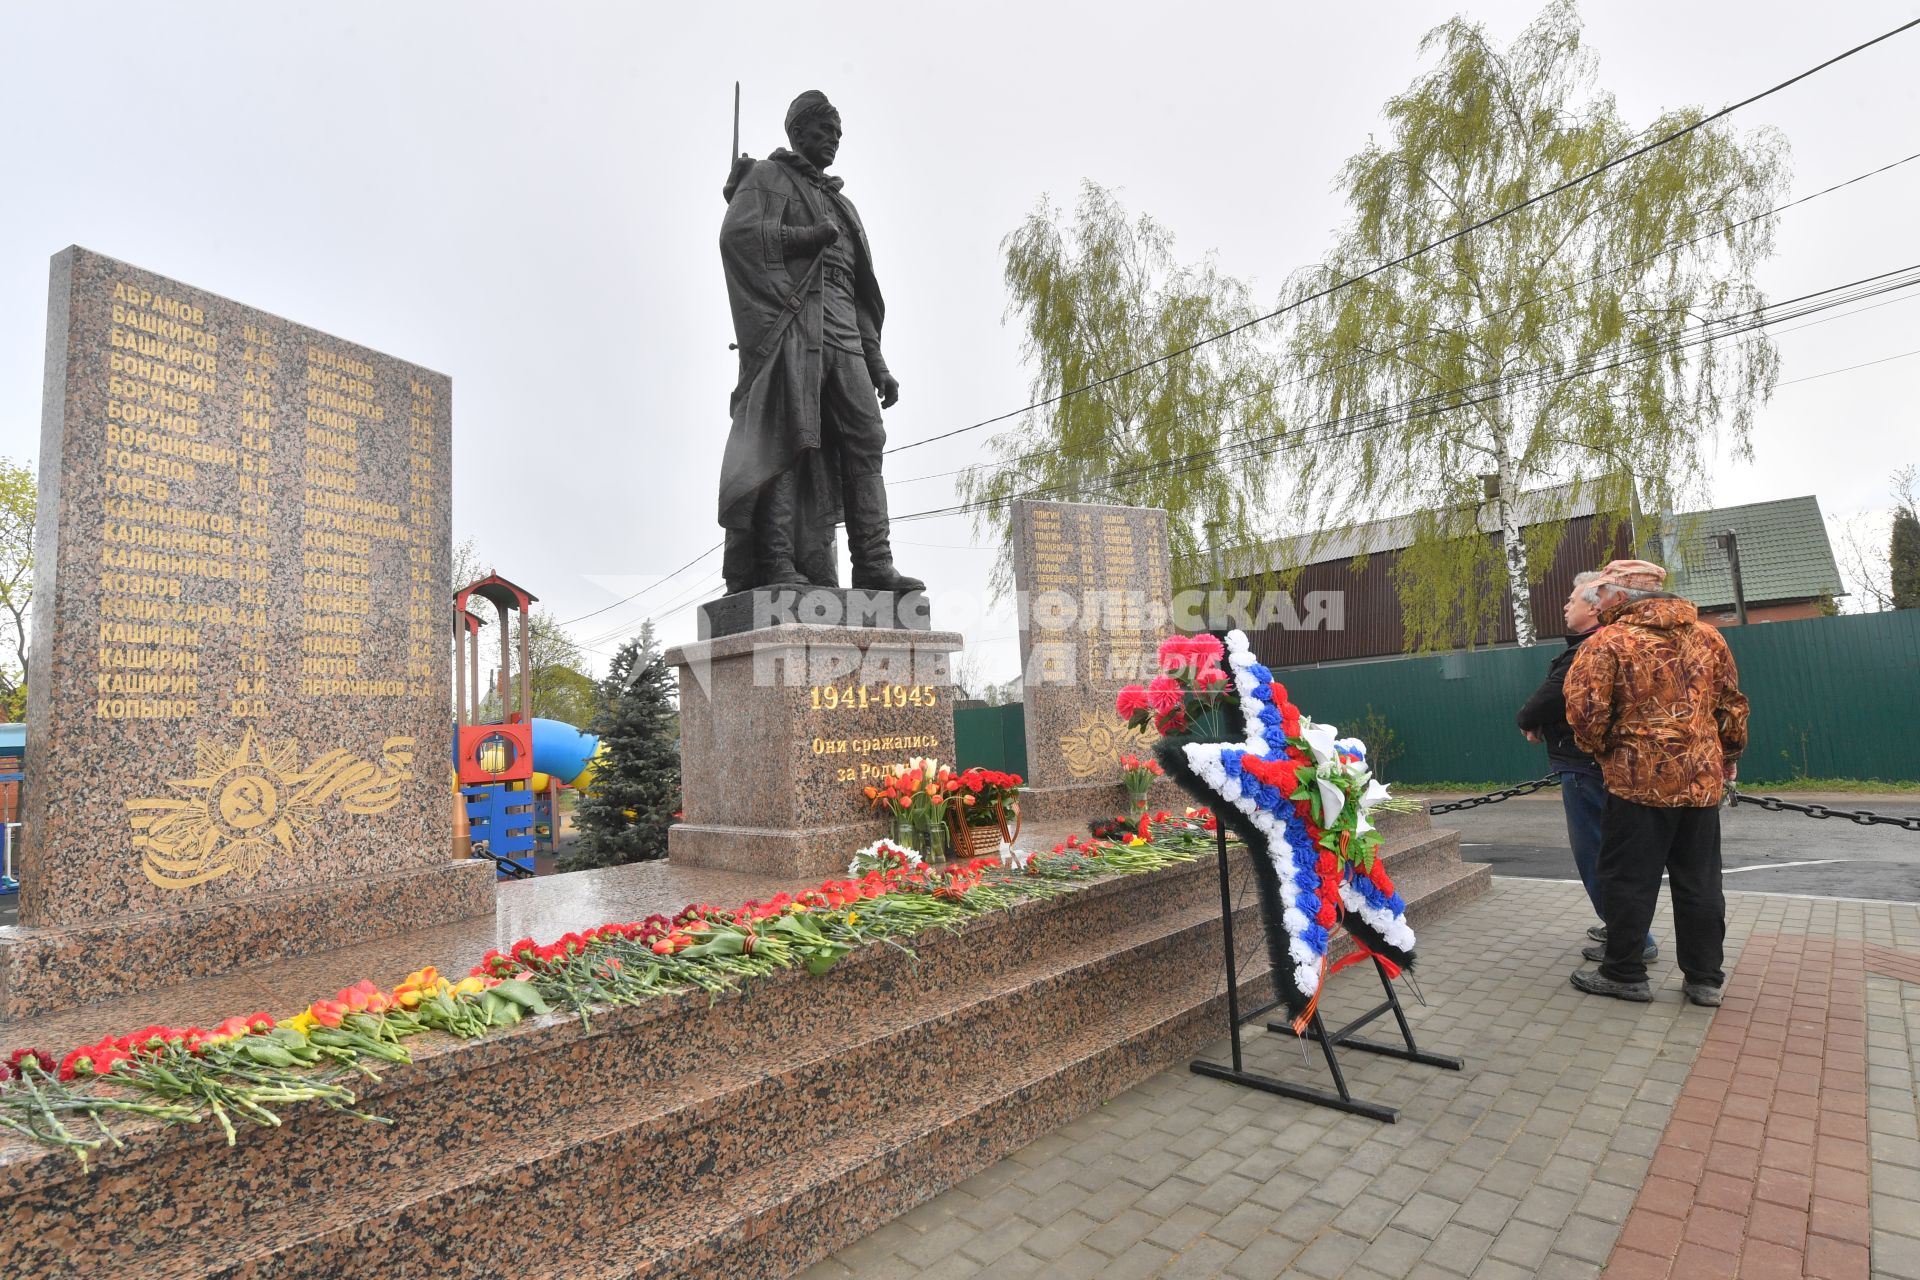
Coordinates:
x,y
777,306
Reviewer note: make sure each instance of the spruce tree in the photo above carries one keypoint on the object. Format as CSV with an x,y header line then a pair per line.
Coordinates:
x,y
1903,556
625,813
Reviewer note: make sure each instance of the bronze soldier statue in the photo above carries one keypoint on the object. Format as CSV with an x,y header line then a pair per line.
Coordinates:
x,y
807,435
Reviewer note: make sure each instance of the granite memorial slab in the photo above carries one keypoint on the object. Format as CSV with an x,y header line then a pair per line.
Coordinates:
x,y
239,725
781,729
1095,593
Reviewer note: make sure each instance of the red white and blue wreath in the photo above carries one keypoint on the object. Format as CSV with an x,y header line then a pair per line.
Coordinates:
x,y
1295,792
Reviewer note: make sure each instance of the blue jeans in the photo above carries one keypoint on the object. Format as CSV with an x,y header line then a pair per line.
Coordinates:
x,y
1584,797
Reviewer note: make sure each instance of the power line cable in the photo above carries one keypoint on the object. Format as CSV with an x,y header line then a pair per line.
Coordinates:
x,y
649,587
1850,368
1443,241
1458,329
1733,325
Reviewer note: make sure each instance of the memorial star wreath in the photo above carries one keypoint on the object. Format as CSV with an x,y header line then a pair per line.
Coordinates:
x,y
1295,792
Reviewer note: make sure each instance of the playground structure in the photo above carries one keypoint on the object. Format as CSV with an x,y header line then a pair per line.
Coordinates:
x,y
510,773
13,750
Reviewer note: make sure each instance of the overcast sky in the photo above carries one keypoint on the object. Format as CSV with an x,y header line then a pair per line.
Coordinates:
x,y
526,197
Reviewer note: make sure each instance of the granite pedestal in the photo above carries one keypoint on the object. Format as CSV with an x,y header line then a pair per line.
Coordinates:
x,y
781,729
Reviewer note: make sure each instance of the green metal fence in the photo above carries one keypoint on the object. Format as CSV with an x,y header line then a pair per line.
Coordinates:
x,y
1832,698
991,738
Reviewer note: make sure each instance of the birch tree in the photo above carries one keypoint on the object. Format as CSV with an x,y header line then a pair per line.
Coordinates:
x,y
1105,293
1562,345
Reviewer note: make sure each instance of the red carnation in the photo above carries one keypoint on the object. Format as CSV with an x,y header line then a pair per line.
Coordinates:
x,y
1132,699
1164,694
1290,720
1279,692
1206,647
1328,912
1176,652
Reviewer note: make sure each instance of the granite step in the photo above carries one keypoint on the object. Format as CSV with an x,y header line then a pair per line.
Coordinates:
x,y
1409,853
485,1127
669,1138
703,1155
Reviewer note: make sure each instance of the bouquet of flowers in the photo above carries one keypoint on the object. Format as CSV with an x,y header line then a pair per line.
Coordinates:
x,y
996,797
1298,794
1137,775
916,797
1189,695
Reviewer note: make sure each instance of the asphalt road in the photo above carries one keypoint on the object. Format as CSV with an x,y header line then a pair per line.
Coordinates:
x,y
1762,852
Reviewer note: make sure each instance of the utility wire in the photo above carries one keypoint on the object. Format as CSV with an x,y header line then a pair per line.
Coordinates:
x,y
1111,436
1446,400
649,587
1681,341
1850,368
1443,241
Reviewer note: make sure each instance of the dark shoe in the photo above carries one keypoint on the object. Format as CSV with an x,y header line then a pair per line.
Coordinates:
x,y
1702,994
885,578
1596,984
1598,932
1597,954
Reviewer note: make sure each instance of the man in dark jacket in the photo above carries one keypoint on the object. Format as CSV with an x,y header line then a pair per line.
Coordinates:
x,y
807,435
1583,795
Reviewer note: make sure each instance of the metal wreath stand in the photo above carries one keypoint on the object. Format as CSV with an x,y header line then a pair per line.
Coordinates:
x,y
1343,1100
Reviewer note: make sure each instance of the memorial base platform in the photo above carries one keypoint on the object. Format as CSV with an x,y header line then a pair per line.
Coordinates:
x,y
749,1134
45,969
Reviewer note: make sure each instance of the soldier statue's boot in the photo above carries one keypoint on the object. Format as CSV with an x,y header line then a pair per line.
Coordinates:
x,y
736,562
774,516
867,539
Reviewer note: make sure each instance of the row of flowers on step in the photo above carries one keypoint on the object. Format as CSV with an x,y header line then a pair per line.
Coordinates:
x,y
246,1067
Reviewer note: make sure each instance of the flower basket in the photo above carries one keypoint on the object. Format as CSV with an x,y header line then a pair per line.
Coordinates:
x,y
976,842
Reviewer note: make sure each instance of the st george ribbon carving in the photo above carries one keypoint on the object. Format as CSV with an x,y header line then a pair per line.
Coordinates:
x,y
248,802
1299,796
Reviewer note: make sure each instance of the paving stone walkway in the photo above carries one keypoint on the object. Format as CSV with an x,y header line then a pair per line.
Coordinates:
x,y
1534,1161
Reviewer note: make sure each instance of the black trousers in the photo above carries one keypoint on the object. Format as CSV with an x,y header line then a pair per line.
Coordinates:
x,y
1637,843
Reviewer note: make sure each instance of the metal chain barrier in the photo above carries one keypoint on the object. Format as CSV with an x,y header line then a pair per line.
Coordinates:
x,y
1774,804
1495,797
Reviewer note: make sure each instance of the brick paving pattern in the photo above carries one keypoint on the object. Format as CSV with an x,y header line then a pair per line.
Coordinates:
x,y
1531,1161
1893,1116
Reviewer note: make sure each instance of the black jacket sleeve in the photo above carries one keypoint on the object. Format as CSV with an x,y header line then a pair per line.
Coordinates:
x,y
1547,707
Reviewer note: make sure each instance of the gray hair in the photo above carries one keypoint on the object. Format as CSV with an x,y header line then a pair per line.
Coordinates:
x,y
1582,579
1592,594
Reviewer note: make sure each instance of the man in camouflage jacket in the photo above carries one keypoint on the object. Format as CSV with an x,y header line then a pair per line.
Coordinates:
x,y
1654,696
